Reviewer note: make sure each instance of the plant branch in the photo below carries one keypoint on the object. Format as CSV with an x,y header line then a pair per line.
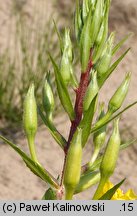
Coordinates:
x,y
80,93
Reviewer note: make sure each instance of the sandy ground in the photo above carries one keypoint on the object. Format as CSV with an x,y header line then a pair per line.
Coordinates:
x,y
17,182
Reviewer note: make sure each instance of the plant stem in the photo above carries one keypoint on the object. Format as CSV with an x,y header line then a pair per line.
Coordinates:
x,y
32,148
80,93
99,190
94,156
69,194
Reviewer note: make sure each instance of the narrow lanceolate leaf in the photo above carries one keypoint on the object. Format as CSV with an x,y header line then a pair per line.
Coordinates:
x,y
109,194
87,121
94,128
63,92
95,166
111,69
35,167
56,135
87,180
127,144
50,194
59,37
119,45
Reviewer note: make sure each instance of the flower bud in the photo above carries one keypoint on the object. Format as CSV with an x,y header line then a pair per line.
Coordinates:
x,y
96,21
67,58
73,164
91,91
106,58
119,96
30,120
85,9
48,98
65,67
109,160
87,180
78,20
68,44
101,39
85,42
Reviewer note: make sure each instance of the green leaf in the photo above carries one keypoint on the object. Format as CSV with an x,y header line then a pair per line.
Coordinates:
x,y
111,69
35,167
86,122
59,37
63,92
127,144
94,128
87,180
95,166
50,194
119,45
56,135
109,194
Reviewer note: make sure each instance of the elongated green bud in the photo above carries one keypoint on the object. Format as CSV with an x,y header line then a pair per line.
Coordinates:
x,y
68,44
119,96
87,180
65,67
109,160
101,39
91,2
78,20
66,70
85,42
48,98
85,9
30,120
106,58
96,21
91,91
73,165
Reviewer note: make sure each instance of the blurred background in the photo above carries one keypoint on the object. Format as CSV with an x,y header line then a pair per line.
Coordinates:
x,y
26,33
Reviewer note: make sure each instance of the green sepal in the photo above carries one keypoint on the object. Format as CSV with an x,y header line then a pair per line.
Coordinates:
x,y
35,167
86,122
111,69
119,45
63,92
109,194
50,194
87,180
56,135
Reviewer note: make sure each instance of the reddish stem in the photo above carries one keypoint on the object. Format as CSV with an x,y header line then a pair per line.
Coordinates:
x,y
80,93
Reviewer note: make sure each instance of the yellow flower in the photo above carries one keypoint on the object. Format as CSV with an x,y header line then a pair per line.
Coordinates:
x,y
119,195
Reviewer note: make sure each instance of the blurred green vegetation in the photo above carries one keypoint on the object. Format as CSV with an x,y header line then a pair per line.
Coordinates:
x,y
26,60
